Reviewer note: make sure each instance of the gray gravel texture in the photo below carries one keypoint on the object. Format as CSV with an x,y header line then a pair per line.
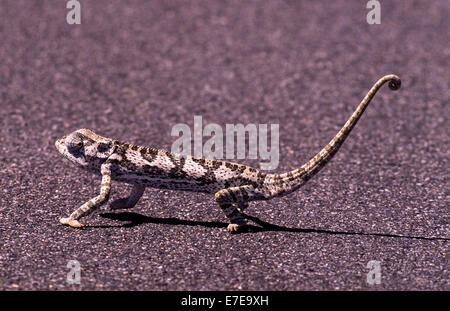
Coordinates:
x,y
133,69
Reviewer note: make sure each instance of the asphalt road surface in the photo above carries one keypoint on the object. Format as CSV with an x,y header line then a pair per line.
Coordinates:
x,y
133,69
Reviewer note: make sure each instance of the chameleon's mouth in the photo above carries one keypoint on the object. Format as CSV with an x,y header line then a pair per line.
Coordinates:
x,y
59,144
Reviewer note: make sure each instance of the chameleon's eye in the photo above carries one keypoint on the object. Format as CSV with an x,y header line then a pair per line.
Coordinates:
x,y
75,147
73,144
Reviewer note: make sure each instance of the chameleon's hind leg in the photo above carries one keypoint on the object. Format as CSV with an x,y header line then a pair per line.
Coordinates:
x,y
93,203
232,201
131,200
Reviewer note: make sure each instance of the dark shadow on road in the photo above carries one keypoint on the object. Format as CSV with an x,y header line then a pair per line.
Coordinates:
x,y
135,219
271,227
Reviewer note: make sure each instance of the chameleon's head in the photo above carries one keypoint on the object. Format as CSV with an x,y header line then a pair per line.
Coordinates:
x,y
85,148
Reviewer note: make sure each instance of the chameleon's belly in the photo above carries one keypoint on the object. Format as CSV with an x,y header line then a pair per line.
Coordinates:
x,y
187,184
207,183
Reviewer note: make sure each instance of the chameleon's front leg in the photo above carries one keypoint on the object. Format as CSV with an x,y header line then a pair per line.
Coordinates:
x,y
93,203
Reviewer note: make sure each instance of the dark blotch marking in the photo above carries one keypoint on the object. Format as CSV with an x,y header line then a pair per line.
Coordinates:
x,y
229,165
148,153
121,150
241,169
102,147
208,178
128,165
177,171
114,161
153,170
261,176
200,161
216,164
232,166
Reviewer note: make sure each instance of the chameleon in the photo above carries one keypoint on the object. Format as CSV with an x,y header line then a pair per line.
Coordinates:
x,y
233,185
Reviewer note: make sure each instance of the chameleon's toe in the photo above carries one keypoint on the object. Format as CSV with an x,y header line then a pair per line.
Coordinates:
x,y
71,222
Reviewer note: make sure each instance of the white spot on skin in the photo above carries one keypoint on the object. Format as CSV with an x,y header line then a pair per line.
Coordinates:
x,y
194,169
249,175
115,156
224,173
136,157
163,162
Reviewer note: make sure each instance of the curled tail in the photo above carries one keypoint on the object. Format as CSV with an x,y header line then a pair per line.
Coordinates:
x,y
290,181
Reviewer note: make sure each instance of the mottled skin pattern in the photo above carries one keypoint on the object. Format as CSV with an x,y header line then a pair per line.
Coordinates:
x,y
234,185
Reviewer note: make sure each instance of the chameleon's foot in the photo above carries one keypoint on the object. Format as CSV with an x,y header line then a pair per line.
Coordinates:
x,y
233,228
120,204
237,228
71,222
